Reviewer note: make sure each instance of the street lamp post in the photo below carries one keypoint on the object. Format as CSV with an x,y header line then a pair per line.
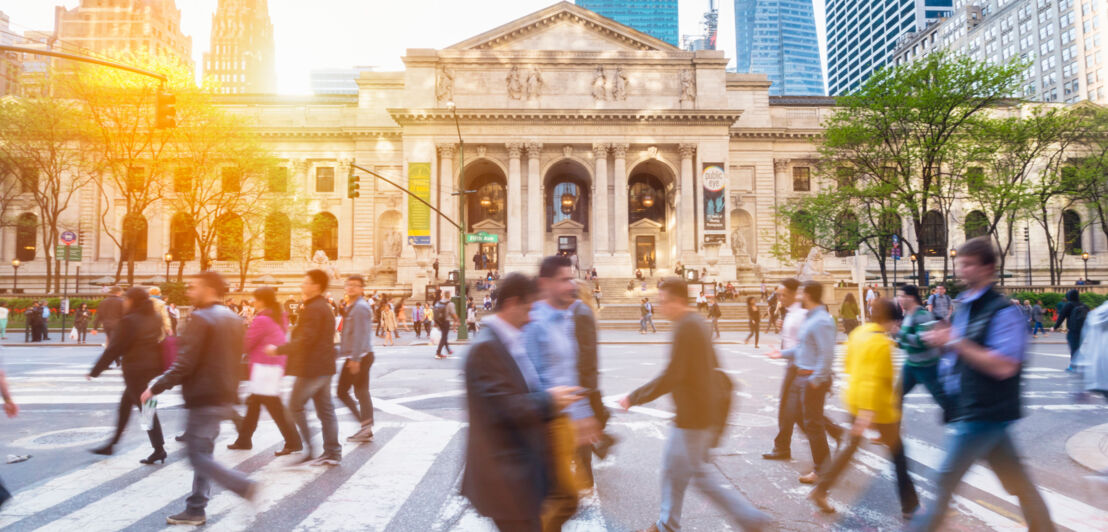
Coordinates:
x,y
912,257
1027,244
15,275
953,267
168,259
1085,257
462,333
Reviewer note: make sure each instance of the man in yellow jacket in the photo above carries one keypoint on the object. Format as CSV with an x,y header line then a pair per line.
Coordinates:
x,y
873,400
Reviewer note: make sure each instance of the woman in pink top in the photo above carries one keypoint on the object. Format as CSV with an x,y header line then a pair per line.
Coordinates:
x,y
267,328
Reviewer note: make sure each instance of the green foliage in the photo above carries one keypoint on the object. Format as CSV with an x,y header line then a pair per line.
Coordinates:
x,y
174,292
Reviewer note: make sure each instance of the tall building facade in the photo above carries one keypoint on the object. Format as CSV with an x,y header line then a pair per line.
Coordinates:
x,y
111,27
778,38
9,61
657,18
241,59
862,34
1062,40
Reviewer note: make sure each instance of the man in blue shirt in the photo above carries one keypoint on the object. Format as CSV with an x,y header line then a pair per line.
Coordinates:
x,y
985,348
812,356
552,346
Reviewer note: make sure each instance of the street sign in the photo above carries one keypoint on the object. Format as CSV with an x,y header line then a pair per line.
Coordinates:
x,y
68,237
896,247
73,252
482,238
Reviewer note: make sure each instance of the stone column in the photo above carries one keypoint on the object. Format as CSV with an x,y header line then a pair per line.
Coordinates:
x,y
619,152
536,213
600,215
515,200
447,237
686,214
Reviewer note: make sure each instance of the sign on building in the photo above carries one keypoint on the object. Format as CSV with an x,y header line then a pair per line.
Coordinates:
x,y
419,215
714,180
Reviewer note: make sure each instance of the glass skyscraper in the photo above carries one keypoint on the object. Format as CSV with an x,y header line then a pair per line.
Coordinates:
x,y
657,18
778,38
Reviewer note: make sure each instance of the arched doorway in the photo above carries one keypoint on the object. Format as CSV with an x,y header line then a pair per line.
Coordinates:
x,y
651,218
486,212
977,224
325,235
568,205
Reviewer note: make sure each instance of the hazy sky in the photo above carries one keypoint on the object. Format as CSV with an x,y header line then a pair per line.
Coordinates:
x,y
341,33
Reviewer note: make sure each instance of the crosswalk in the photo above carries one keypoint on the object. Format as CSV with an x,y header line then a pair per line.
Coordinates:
x,y
407,479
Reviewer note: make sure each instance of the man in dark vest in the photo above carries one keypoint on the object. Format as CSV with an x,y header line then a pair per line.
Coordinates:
x,y
985,347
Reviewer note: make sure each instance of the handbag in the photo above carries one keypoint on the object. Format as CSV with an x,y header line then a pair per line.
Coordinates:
x,y
265,379
169,352
73,333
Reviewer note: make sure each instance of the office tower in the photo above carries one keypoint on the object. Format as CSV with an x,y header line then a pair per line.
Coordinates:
x,y
778,38
241,58
653,17
113,27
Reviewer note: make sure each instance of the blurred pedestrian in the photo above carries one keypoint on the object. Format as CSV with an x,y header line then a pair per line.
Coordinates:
x,y
267,328
4,311
986,346
136,344
444,316
1093,358
161,311
206,368
753,320
471,317
921,365
356,348
939,304
646,309
418,316
80,322
1075,312
714,314
849,312
388,321
508,410
1037,319
872,400
588,377
311,352
174,317
775,311
109,312
691,377
12,410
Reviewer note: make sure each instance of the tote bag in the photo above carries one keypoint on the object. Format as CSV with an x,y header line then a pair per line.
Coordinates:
x,y
265,379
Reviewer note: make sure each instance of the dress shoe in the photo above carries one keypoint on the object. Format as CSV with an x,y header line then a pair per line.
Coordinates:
x,y
179,437
103,450
819,498
159,455
287,450
240,446
810,478
910,514
186,518
777,455
604,446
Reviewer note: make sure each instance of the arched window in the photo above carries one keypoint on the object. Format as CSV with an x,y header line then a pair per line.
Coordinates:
x,y
325,234
229,237
278,237
26,231
488,202
567,200
932,239
846,234
1071,232
646,199
800,233
977,224
182,237
134,236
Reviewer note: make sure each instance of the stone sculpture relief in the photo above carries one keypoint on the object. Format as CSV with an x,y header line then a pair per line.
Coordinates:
x,y
619,85
688,86
738,241
599,85
534,83
392,243
444,88
812,267
322,262
515,84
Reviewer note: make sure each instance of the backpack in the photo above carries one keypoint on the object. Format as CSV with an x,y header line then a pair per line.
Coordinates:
x,y
1077,316
722,390
440,312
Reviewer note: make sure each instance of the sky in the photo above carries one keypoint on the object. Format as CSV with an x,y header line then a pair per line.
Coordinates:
x,y
344,33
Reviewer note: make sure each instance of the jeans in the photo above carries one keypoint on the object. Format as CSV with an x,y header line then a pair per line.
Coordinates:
x,y
272,403
715,326
786,414
647,320
444,341
4,329
928,376
973,440
810,401
201,430
82,333
360,383
686,458
890,434
1037,327
318,389
754,326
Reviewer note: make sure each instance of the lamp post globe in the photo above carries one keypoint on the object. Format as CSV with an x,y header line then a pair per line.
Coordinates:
x,y
953,267
15,274
1085,257
168,259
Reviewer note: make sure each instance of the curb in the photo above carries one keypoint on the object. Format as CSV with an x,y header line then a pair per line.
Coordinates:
x,y
1090,448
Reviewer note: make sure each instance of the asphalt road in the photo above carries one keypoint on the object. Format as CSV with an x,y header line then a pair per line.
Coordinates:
x,y
407,478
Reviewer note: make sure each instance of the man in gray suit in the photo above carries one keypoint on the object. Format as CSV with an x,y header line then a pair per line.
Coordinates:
x,y
356,346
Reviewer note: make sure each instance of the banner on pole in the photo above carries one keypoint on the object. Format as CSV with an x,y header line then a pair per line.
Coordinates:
x,y
419,215
714,181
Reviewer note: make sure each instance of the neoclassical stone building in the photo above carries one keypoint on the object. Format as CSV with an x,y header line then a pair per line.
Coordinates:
x,y
580,135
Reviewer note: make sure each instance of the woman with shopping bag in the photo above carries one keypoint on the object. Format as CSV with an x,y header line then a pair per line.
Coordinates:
x,y
135,340
267,328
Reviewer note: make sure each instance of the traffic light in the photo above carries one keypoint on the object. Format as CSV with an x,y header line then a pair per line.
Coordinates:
x,y
80,237
352,185
166,113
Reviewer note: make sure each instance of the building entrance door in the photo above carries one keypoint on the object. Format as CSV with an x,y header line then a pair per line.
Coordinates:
x,y
567,245
644,251
491,254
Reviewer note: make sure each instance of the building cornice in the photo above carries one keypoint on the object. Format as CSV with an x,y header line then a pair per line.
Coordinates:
x,y
350,133
406,117
776,133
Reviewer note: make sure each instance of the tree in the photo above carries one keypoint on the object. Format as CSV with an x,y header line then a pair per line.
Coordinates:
x,y
1091,170
45,140
906,126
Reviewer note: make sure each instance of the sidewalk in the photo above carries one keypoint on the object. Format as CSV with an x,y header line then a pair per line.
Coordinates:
x,y
1090,447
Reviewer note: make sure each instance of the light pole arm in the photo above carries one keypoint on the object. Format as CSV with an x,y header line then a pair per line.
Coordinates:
x,y
409,193
83,59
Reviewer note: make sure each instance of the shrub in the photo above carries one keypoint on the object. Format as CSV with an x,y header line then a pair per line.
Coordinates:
x,y
174,292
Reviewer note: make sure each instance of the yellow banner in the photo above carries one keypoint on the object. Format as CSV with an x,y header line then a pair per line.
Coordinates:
x,y
419,215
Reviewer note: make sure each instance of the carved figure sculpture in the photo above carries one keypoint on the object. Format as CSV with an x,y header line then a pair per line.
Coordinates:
x,y
688,86
599,85
619,85
738,241
812,267
444,88
534,84
515,83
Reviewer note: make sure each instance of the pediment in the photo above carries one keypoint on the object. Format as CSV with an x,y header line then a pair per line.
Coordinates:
x,y
564,27
568,224
646,224
489,226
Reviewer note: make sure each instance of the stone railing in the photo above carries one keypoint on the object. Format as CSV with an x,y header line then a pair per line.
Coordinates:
x,y
1059,288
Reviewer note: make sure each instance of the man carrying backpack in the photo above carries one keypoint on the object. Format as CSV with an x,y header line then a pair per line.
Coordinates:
x,y
444,316
701,395
1076,312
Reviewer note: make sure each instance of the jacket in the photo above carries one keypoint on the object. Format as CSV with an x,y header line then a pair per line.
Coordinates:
x,y
262,332
1093,355
687,376
311,349
919,354
1069,313
208,356
505,475
356,339
588,374
108,313
869,361
137,344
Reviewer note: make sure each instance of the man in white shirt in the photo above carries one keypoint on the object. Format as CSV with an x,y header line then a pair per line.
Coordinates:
x,y
3,321
871,294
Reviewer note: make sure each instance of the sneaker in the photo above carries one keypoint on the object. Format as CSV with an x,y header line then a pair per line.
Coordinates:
x,y
327,460
187,518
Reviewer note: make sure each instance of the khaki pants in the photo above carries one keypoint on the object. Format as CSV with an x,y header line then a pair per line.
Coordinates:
x,y
561,502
